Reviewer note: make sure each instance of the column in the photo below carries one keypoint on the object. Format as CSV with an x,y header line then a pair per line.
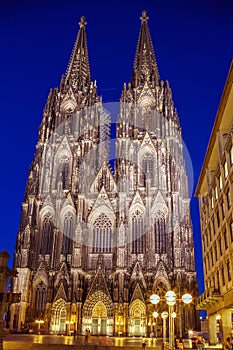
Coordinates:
x,y
212,330
226,315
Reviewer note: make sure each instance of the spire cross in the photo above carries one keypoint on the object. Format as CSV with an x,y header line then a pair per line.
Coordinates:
x,y
82,22
144,16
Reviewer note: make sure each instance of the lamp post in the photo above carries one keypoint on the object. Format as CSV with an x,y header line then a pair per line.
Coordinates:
x,y
39,322
170,298
164,316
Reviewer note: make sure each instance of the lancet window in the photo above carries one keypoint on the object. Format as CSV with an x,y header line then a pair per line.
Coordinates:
x,y
47,235
63,172
40,299
102,234
137,232
160,234
148,166
68,232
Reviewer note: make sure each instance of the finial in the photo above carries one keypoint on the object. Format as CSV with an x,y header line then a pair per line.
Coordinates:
x,y
144,16
82,22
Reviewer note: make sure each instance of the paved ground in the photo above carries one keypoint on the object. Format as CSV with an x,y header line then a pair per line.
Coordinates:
x,y
43,342
26,342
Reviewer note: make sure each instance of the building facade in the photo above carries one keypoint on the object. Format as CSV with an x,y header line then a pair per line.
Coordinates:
x,y
215,194
94,243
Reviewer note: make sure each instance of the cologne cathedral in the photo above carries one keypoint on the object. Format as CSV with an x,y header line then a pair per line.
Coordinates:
x,y
97,239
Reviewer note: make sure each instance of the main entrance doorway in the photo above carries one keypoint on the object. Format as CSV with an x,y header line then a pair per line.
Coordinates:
x,y
137,319
99,319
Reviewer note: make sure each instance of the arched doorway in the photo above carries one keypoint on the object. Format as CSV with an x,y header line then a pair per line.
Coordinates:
x,y
137,319
99,319
97,314
58,317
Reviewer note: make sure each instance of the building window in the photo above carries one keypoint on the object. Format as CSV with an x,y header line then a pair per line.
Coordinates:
x,y
220,246
215,252
218,284
223,277
225,169
216,192
148,166
63,172
220,182
68,233
47,235
231,154
229,270
225,239
217,219
212,259
102,235
137,232
160,235
40,300
228,195
223,209
231,230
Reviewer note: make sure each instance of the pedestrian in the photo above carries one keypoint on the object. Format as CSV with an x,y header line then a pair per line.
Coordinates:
x,y
75,334
86,337
229,341
143,343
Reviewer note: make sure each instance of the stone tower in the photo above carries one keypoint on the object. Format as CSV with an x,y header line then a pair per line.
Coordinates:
x,y
95,243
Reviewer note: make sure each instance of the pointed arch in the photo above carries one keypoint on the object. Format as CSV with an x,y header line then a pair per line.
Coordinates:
x,y
147,160
102,234
40,296
137,318
46,244
137,231
58,317
68,233
160,234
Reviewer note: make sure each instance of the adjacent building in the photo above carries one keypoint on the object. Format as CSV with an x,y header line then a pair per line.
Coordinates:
x,y
94,242
215,194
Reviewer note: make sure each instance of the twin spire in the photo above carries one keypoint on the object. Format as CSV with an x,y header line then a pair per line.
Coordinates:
x,y
78,71
144,69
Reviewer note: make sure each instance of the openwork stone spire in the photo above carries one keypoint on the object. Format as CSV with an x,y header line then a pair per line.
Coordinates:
x,y
145,66
78,71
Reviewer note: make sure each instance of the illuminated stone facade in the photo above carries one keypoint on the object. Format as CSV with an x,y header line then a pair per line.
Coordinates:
x,y
94,243
215,193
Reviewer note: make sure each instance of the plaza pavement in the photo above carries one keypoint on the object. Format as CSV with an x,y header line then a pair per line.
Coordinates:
x,y
53,342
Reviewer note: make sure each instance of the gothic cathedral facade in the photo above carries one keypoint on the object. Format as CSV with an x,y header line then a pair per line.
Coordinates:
x,y
96,240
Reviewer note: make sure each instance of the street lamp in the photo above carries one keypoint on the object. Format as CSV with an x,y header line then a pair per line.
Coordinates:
x,y
39,322
170,298
164,316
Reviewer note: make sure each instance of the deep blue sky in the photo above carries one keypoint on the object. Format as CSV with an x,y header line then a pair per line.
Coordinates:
x,y
193,47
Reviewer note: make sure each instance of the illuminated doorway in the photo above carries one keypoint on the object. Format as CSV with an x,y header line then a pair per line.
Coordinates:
x,y
137,319
58,317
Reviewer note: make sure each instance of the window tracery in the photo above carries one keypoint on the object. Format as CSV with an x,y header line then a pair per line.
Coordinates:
x,y
68,234
160,233
40,299
148,166
137,232
102,234
47,235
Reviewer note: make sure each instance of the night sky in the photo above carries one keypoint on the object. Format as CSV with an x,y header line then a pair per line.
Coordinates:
x,y
193,47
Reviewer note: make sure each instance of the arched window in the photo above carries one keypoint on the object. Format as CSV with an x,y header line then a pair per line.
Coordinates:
x,y
68,233
47,235
137,232
148,166
160,234
63,172
102,234
40,299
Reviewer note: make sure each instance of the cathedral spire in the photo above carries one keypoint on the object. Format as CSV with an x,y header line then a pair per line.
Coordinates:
x,y
78,71
145,66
